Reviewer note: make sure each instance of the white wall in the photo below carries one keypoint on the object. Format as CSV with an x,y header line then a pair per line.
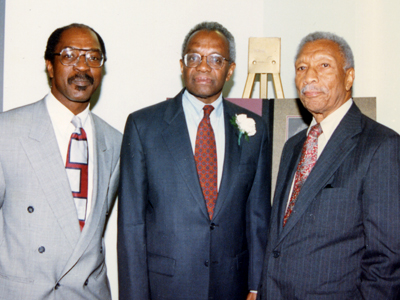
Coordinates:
x,y
143,41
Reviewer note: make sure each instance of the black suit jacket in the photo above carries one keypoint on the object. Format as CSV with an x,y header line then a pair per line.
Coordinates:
x,y
167,246
342,240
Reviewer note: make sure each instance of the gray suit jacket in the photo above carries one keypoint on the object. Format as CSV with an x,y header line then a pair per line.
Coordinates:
x,y
43,254
167,246
342,241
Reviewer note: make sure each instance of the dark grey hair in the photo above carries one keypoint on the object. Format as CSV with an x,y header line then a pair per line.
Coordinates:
x,y
212,26
343,45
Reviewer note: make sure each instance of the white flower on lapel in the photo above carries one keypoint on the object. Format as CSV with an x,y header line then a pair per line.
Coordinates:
x,y
245,125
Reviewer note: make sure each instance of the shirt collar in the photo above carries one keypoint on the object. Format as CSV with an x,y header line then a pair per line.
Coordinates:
x,y
332,121
61,113
198,105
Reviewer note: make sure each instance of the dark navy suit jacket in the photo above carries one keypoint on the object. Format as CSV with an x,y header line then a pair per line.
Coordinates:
x,y
342,240
168,248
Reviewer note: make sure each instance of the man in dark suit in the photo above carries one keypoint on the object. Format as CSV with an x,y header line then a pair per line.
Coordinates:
x,y
180,237
334,234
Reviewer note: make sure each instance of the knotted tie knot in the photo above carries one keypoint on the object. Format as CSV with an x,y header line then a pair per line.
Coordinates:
x,y
207,110
76,121
315,131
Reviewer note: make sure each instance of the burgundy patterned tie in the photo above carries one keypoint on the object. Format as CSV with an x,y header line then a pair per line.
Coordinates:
x,y
77,169
206,160
307,161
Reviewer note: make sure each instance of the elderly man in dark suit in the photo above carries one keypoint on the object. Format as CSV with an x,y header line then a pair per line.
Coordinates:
x,y
194,200
335,222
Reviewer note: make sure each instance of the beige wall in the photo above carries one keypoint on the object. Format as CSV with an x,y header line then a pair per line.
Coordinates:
x,y
143,41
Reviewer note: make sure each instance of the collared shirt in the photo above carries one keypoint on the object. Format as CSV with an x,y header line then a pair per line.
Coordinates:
x,y
328,125
61,118
193,110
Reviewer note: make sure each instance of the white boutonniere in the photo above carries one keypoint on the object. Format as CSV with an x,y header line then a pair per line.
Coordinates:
x,y
245,125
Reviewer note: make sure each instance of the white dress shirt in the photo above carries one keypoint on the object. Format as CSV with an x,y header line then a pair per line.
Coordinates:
x,y
328,125
193,110
61,118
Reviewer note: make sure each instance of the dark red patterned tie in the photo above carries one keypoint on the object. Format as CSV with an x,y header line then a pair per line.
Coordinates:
x,y
206,160
307,161
77,169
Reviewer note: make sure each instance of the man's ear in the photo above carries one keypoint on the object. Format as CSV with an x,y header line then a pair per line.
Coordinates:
x,y
182,65
349,79
49,67
232,67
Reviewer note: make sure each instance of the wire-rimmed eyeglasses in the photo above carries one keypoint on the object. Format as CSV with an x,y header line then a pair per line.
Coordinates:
x,y
70,57
215,61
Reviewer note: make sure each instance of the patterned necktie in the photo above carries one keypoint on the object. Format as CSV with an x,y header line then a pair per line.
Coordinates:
x,y
206,160
307,161
77,169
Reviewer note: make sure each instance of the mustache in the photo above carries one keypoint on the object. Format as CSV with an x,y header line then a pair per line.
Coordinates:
x,y
311,87
83,76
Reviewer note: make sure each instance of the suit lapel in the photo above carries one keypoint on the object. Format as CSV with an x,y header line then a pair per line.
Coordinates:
x,y
284,181
177,140
42,150
339,146
231,159
101,175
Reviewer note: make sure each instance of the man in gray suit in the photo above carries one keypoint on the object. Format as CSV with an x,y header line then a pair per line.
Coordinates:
x,y
174,242
335,221
54,199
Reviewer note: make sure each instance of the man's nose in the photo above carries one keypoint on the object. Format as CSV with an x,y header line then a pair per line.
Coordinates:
x,y
203,66
81,63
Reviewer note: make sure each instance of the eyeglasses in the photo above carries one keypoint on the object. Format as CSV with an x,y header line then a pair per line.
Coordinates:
x,y
215,61
70,57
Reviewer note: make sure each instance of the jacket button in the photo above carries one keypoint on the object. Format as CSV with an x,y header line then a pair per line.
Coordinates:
x,y
206,263
41,249
276,254
30,209
212,226
101,249
57,286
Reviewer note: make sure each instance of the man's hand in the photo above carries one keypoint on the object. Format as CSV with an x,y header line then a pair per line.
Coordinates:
x,y
251,296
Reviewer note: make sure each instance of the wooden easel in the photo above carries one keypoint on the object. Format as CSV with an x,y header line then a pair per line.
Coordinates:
x,y
264,59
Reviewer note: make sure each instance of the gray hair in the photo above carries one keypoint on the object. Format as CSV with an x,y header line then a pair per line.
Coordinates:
x,y
343,45
212,26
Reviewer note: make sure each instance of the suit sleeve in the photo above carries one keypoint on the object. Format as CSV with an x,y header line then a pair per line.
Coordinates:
x,y
131,244
2,186
380,278
2,194
113,186
258,212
